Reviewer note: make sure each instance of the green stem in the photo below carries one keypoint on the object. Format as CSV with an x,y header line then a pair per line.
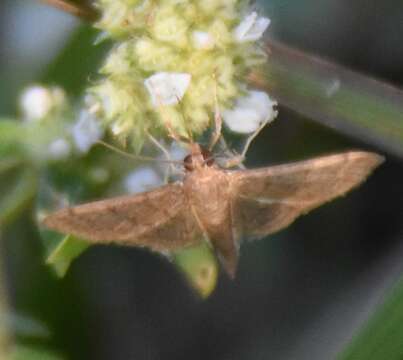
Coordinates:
x,y
354,104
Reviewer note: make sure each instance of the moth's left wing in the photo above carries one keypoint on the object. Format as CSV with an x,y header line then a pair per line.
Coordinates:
x,y
160,219
269,199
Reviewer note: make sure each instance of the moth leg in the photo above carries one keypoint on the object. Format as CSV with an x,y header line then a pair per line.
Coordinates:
x,y
236,160
251,138
217,117
232,158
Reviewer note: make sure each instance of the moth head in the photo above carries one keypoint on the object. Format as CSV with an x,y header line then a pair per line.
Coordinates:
x,y
199,157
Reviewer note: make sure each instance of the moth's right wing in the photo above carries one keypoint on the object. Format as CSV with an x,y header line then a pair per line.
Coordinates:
x,y
269,199
160,219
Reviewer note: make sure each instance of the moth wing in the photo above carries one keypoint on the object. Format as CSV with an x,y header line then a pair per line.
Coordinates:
x,y
160,219
269,199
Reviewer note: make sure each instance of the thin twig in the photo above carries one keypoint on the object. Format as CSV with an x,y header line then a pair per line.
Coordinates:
x,y
84,12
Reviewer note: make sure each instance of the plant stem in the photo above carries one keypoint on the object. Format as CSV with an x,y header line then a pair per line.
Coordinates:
x,y
84,12
356,105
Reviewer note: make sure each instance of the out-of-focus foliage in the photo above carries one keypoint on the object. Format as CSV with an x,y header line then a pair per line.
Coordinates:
x,y
381,338
67,250
25,352
18,178
199,265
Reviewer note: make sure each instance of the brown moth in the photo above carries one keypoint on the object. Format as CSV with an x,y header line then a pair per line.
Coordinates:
x,y
217,205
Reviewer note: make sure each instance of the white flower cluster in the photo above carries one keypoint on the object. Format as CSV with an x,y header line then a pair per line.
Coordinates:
x,y
42,106
176,62
250,112
169,73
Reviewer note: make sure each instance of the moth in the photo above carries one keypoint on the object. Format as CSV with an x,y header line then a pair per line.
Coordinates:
x,y
217,205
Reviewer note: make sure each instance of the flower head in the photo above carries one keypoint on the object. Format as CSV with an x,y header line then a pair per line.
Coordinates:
x,y
174,62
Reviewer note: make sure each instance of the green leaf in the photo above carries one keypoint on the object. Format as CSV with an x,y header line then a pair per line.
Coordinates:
x,y
18,187
79,57
65,253
382,337
351,103
8,164
12,133
200,267
30,352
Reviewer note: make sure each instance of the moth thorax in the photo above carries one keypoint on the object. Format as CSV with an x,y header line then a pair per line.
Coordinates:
x,y
198,158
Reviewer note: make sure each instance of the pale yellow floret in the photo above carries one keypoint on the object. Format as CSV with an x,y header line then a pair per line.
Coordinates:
x,y
193,38
154,56
169,26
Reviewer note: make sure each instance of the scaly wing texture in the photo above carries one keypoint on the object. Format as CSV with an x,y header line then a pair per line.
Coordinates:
x,y
269,199
160,219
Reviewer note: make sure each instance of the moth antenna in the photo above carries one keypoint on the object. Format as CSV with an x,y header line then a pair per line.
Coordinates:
x,y
170,170
136,157
217,116
237,160
81,11
252,137
159,146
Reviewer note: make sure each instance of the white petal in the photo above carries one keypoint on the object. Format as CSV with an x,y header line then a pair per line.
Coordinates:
x,y
59,149
36,102
86,131
251,28
167,88
242,120
250,112
142,179
262,103
202,40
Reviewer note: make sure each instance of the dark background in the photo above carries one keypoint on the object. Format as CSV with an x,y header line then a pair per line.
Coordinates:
x,y
300,294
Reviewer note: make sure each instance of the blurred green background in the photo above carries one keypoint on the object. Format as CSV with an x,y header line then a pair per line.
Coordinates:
x,y
304,293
